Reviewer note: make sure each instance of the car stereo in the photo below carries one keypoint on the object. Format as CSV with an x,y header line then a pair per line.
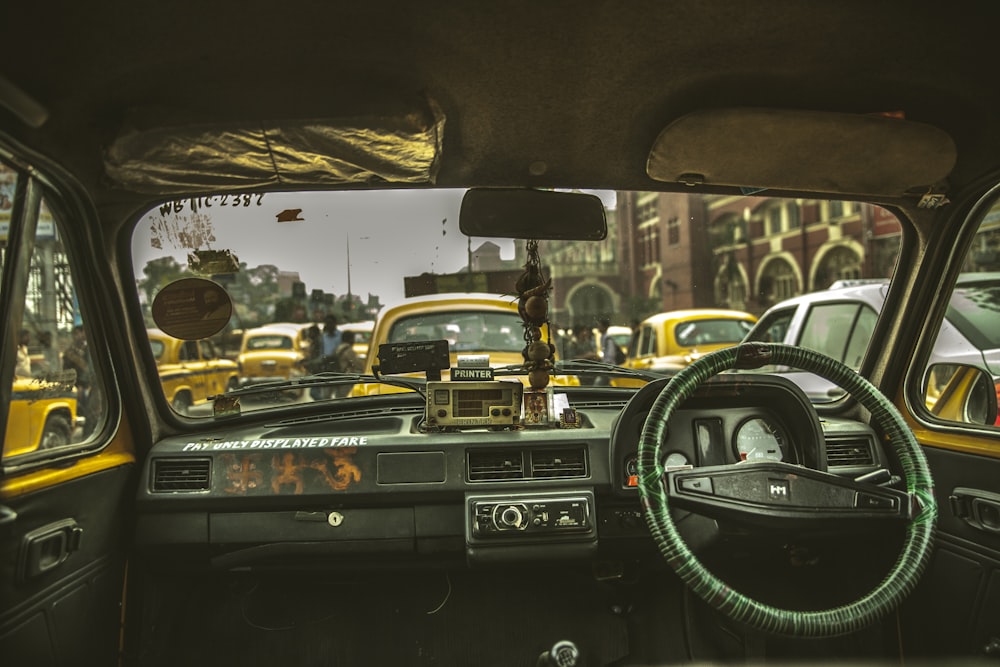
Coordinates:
x,y
540,515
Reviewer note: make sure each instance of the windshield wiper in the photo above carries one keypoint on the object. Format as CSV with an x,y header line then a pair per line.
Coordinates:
x,y
588,367
325,379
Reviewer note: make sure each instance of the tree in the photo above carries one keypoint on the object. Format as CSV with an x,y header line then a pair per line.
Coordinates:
x,y
159,273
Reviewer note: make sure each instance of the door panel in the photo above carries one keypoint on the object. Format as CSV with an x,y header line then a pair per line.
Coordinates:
x,y
956,608
66,466
69,613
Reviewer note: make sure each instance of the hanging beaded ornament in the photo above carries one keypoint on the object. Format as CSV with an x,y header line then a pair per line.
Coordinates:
x,y
533,305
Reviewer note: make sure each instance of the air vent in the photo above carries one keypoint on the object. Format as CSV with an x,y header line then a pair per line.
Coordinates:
x,y
485,466
849,453
565,462
182,475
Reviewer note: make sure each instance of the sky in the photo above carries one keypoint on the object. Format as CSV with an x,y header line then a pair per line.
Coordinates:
x,y
391,234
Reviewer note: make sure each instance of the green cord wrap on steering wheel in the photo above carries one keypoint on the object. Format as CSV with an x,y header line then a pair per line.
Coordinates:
x,y
844,619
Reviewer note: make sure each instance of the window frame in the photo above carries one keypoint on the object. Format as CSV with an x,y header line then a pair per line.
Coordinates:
x,y
32,190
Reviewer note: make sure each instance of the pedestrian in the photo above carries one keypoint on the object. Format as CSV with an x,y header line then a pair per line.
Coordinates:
x,y
50,355
23,368
313,349
76,358
346,361
610,352
315,361
331,336
581,346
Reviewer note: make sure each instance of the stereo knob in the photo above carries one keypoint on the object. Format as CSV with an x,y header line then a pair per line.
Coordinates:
x,y
511,516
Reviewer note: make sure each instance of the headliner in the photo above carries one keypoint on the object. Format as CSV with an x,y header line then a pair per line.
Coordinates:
x,y
583,87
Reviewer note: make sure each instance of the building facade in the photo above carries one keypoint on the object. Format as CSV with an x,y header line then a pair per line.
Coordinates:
x,y
671,251
767,249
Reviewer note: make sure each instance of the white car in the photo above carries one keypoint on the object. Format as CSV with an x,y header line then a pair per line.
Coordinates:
x,y
839,323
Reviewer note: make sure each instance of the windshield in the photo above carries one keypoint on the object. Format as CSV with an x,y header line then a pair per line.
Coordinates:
x,y
269,343
711,332
465,331
391,266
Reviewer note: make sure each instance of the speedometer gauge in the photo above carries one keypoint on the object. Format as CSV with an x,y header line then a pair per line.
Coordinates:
x,y
759,439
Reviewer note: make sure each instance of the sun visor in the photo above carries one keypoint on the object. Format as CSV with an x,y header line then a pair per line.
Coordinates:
x,y
171,160
823,152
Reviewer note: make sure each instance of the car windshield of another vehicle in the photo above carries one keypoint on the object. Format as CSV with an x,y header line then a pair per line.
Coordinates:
x,y
269,343
711,332
465,331
325,264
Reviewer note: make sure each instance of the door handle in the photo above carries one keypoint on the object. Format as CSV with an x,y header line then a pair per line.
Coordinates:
x,y
979,509
48,547
7,516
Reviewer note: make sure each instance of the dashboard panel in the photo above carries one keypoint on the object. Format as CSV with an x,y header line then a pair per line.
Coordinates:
x,y
367,482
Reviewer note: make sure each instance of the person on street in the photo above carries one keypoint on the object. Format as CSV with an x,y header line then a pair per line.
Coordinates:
x,y
23,368
346,361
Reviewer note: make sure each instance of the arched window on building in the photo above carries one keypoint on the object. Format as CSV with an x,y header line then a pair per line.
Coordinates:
x,y
778,281
840,263
589,303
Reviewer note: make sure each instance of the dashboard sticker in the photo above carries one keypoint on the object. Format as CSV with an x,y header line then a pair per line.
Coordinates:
x,y
243,474
291,473
277,443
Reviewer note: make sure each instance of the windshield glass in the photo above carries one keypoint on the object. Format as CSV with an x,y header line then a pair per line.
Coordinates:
x,y
269,343
391,266
711,332
465,331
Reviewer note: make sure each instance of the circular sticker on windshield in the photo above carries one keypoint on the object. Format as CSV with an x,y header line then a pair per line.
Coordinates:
x,y
192,308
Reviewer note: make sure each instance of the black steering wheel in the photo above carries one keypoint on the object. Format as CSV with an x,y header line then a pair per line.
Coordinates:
x,y
783,491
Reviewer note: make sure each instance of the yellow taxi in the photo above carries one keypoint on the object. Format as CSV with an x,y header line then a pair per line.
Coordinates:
x,y
272,352
474,324
42,415
190,370
669,341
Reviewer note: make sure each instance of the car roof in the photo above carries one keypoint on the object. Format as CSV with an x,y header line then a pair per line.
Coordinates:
x,y
979,277
287,328
453,300
367,325
660,319
872,293
554,94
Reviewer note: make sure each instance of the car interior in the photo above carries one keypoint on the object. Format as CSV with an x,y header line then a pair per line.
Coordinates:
x,y
181,166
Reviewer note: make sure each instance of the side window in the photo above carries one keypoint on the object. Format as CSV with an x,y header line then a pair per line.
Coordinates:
x,y
861,335
969,337
58,397
828,327
774,329
189,350
642,342
648,342
207,350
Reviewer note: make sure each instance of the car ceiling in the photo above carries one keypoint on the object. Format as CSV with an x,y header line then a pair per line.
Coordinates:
x,y
549,93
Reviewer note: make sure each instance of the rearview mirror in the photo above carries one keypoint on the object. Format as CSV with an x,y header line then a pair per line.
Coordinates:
x,y
512,213
961,393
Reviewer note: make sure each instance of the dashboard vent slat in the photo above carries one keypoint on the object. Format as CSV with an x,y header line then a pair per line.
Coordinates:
x,y
500,465
182,475
495,465
849,453
565,462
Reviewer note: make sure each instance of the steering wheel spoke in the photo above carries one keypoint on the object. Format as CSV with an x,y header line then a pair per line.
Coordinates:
x,y
782,495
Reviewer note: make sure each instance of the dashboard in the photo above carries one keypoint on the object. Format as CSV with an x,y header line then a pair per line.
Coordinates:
x,y
366,481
